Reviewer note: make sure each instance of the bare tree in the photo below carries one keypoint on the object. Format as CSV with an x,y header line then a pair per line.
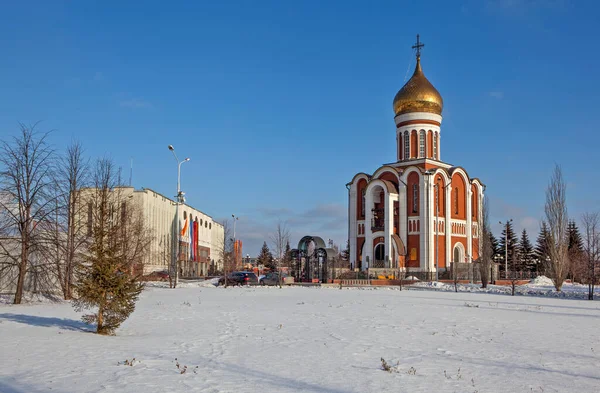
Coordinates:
x,y
556,217
591,249
280,239
225,251
65,239
485,249
25,179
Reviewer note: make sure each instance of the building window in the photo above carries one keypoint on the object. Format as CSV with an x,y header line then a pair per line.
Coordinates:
x,y
415,197
421,143
456,200
362,208
210,226
406,146
435,145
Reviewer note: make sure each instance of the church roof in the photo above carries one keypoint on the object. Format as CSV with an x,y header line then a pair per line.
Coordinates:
x,y
418,95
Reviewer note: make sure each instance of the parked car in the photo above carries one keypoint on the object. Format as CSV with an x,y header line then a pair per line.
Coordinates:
x,y
240,278
273,279
162,275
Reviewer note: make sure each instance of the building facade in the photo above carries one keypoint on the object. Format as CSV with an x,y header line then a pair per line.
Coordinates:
x,y
200,238
417,212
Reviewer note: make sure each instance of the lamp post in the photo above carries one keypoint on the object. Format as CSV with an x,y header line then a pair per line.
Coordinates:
x,y
506,248
179,199
235,218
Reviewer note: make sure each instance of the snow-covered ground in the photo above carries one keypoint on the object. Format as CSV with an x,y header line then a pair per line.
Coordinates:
x,y
308,340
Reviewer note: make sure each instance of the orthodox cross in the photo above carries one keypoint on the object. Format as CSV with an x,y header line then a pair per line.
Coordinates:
x,y
418,47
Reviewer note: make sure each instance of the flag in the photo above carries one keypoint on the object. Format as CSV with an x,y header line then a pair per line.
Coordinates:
x,y
185,228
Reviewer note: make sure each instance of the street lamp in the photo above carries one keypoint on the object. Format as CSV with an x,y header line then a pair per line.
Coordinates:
x,y
506,248
179,199
235,218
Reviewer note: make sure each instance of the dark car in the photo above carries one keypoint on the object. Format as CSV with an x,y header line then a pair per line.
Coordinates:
x,y
162,275
240,278
273,279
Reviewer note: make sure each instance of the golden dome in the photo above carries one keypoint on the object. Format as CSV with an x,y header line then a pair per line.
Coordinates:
x,y
418,95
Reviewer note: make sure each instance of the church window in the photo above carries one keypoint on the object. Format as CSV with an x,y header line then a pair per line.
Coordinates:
x,y
415,197
422,144
362,208
406,146
456,200
435,145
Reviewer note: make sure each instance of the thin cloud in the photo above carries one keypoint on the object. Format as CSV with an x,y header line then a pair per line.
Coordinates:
x,y
496,94
135,103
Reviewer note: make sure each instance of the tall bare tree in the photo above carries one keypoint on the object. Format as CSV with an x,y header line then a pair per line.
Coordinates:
x,y
109,279
280,238
225,251
485,249
64,239
558,237
26,167
591,249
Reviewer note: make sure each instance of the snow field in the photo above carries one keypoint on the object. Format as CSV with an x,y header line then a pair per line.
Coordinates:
x,y
308,340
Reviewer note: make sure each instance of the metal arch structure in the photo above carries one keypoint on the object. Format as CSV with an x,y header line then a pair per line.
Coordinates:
x,y
312,264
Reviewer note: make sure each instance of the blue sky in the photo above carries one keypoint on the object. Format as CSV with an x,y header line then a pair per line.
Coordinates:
x,y
280,103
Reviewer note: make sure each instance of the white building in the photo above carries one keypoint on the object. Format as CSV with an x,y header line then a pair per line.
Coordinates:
x,y
200,237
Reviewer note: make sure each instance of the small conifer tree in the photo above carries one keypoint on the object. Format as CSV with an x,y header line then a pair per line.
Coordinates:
x,y
108,280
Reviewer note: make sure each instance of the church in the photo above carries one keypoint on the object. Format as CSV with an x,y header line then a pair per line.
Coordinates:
x,y
418,213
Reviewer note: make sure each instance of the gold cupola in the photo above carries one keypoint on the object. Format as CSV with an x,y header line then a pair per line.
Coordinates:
x,y
418,94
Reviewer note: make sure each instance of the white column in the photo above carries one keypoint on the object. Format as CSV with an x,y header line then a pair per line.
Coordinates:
x,y
352,224
368,248
469,225
448,218
403,219
389,224
422,223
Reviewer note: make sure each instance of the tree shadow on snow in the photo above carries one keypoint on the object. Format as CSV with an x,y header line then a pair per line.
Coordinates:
x,y
272,379
5,387
34,320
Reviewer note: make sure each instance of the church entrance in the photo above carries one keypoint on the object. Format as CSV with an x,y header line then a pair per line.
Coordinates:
x,y
379,256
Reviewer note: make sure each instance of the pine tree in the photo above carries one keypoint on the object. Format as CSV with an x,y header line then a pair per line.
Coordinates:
x,y
495,245
512,245
107,281
541,248
345,254
526,252
287,255
575,251
265,257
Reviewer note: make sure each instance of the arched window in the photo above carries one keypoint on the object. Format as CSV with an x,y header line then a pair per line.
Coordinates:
x,y
362,208
421,143
210,225
406,146
200,222
457,256
435,145
184,215
456,200
415,198
205,224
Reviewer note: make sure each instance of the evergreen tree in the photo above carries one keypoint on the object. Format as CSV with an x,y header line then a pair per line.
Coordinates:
x,y
107,282
575,239
265,257
526,252
345,254
575,251
512,245
541,248
495,245
287,255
